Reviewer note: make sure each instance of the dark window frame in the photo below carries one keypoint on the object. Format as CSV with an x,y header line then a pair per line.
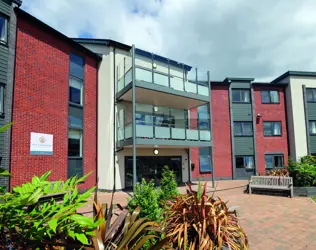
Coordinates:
x,y
240,95
2,89
242,128
309,127
269,92
273,161
6,18
243,156
272,126
209,161
79,106
313,92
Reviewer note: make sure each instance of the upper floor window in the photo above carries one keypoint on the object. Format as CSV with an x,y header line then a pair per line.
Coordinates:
x,y
76,66
272,129
274,161
244,162
311,95
243,129
241,95
270,96
204,119
312,127
75,90
3,29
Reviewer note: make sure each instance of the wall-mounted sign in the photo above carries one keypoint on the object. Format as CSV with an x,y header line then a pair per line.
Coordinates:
x,y
41,144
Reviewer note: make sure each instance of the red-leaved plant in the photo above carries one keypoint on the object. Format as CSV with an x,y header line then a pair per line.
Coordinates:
x,y
197,221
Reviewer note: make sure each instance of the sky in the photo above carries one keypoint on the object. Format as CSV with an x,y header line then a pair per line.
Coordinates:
x,y
230,38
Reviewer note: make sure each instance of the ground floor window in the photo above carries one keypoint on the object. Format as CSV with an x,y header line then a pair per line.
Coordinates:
x,y
75,161
274,161
205,160
244,162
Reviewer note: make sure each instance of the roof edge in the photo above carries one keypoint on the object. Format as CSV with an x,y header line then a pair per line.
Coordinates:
x,y
18,2
294,73
33,19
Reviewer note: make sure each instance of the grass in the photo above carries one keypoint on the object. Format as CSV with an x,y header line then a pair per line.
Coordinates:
x,y
314,198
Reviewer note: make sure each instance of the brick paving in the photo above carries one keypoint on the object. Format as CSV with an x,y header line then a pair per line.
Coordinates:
x,y
271,222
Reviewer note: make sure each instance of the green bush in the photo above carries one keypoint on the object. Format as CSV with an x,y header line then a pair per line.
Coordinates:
x,y
308,159
146,196
305,175
168,184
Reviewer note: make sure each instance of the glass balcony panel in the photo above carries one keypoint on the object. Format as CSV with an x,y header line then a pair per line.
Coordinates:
x,y
143,62
178,133
120,84
143,75
144,131
192,134
176,83
205,135
120,134
162,132
161,79
190,87
128,77
203,90
128,131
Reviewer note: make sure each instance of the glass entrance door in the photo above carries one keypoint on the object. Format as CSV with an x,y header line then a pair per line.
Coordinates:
x,y
151,167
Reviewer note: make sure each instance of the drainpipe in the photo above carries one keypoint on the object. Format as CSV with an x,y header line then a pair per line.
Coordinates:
x,y
189,164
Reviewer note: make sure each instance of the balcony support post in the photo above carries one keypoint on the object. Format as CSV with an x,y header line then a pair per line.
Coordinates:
x,y
152,68
210,127
134,116
170,124
124,73
183,77
169,82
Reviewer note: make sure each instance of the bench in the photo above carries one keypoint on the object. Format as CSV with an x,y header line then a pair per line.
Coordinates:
x,y
271,183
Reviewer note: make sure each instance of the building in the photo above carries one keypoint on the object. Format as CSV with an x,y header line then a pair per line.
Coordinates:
x,y
7,56
51,97
146,120
301,109
249,130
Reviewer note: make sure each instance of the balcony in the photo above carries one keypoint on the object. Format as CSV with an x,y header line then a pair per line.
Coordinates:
x,y
162,126
160,81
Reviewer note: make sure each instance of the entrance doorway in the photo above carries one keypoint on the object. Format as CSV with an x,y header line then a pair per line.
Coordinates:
x,y
151,167
245,166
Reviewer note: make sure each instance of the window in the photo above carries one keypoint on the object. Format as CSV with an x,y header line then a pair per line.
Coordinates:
x,y
241,95
272,129
205,160
243,129
1,99
274,161
270,96
3,29
244,162
311,95
75,90
76,66
75,143
204,119
312,127
75,116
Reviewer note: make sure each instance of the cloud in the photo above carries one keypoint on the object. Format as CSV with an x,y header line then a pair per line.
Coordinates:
x,y
240,38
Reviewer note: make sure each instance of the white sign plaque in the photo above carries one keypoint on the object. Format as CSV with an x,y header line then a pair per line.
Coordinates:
x,y
41,144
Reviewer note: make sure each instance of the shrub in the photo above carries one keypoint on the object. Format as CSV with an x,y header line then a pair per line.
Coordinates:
x,y
146,196
200,222
308,159
278,172
168,184
24,221
305,175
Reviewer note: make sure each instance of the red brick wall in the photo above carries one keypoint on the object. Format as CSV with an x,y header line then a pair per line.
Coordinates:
x,y
270,112
41,105
221,136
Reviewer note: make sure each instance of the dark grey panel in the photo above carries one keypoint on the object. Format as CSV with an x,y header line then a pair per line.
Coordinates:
x,y
240,85
3,63
312,144
242,111
5,7
1,137
311,111
243,145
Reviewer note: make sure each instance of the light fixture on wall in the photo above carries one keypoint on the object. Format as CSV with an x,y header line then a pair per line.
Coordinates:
x,y
259,115
154,65
156,152
156,109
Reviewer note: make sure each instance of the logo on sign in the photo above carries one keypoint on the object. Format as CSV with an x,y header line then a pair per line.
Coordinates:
x,y
42,139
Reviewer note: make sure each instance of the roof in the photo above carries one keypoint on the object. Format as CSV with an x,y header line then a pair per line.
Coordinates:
x,y
109,42
294,73
54,32
18,2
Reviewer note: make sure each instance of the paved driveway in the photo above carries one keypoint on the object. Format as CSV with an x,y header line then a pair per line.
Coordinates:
x,y
271,222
